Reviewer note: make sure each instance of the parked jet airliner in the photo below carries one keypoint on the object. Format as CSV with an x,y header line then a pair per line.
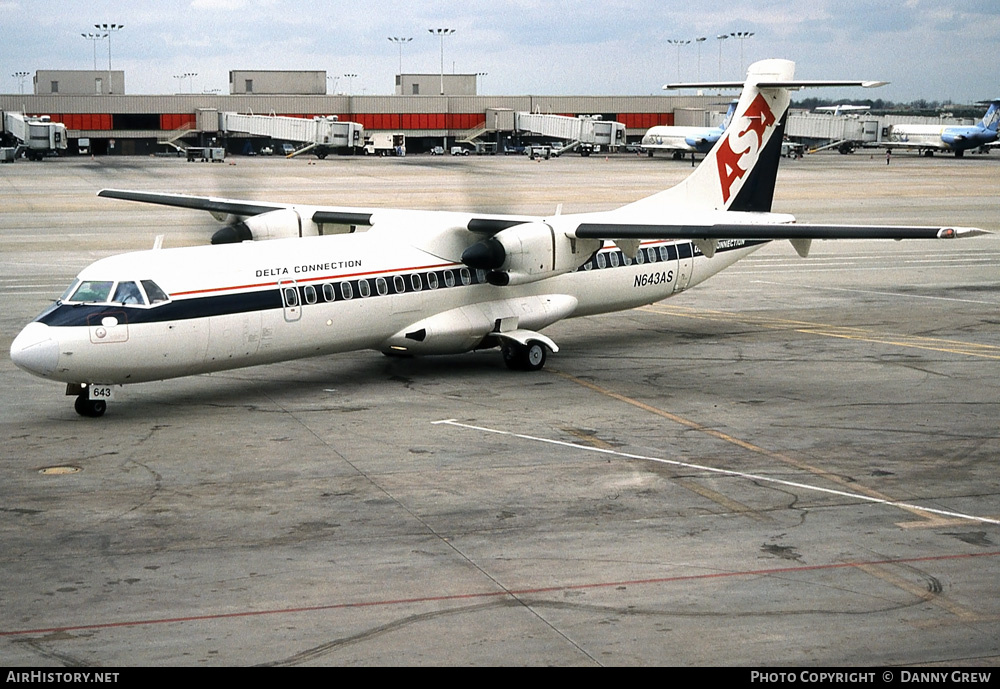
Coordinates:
x,y
927,138
681,139
418,282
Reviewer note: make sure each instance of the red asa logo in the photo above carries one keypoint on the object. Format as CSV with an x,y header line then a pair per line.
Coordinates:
x,y
760,118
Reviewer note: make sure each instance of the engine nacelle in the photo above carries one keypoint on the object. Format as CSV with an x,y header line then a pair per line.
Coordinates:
x,y
279,224
529,252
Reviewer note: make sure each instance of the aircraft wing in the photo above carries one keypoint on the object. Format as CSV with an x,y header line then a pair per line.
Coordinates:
x,y
707,237
231,210
940,145
613,231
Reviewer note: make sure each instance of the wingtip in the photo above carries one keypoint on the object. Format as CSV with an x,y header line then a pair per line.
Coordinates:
x,y
961,232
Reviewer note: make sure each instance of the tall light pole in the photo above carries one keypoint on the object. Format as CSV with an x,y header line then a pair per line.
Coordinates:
x,y
678,43
109,29
400,41
94,38
334,80
699,41
350,83
180,82
481,75
20,76
742,35
721,37
442,33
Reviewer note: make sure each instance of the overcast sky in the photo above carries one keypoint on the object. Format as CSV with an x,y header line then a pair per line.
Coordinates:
x,y
932,49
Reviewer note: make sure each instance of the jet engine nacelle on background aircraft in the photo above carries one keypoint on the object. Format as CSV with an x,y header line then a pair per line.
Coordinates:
x,y
528,252
284,223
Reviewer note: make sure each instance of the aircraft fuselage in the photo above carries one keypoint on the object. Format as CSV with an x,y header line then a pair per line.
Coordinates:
x,y
263,302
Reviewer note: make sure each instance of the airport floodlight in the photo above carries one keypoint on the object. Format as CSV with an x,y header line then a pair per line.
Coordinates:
x,y
399,41
742,35
721,38
442,33
109,29
350,83
678,43
480,75
699,40
94,38
20,76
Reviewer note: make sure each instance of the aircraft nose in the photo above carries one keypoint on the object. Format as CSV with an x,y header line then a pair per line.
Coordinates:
x,y
34,350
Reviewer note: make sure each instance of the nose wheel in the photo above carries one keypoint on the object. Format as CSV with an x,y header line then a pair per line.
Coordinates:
x,y
88,407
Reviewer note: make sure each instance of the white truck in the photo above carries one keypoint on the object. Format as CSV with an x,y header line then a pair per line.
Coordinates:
x,y
386,144
35,137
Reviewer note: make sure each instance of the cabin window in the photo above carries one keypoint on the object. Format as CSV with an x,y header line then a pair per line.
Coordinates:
x,y
328,292
291,296
663,253
364,289
416,282
466,276
153,292
381,286
346,290
602,261
309,292
626,260
432,280
651,254
449,278
614,259
92,290
398,284
640,256
480,275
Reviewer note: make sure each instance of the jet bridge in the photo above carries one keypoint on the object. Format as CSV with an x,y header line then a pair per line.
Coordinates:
x,y
584,132
34,136
320,135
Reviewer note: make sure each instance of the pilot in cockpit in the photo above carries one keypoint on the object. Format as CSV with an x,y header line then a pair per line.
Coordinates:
x,y
128,293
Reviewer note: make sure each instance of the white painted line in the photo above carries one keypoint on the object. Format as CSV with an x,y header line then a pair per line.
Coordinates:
x,y
724,472
868,291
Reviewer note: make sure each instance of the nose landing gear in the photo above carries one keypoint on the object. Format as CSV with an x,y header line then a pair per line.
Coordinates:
x,y
84,405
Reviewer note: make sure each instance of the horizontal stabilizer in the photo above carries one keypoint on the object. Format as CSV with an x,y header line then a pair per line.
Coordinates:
x,y
791,85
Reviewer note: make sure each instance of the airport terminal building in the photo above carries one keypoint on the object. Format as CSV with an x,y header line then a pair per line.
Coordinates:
x,y
94,106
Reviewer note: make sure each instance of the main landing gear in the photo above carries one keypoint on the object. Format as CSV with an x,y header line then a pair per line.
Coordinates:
x,y
524,357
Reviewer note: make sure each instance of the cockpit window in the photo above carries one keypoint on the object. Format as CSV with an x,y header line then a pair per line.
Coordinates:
x,y
69,291
154,292
92,290
128,293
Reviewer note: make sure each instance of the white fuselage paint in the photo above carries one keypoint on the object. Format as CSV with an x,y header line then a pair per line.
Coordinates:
x,y
117,347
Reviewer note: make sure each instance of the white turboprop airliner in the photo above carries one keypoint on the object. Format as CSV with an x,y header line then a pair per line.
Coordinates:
x,y
417,282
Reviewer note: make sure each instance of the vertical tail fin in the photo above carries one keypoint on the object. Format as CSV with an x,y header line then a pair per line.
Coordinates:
x,y
740,170
992,117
